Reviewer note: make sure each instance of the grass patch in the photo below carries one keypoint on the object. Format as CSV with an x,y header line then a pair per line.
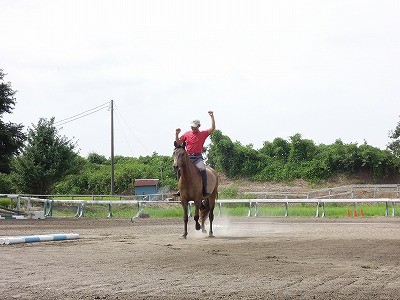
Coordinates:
x,y
5,202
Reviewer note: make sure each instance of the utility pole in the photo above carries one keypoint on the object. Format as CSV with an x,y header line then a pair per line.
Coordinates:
x,y
112,147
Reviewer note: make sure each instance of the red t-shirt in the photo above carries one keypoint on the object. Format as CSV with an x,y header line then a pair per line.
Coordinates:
x,y
194,141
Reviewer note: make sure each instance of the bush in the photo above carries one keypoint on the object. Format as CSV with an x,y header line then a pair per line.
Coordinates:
x,y
6,185
298,159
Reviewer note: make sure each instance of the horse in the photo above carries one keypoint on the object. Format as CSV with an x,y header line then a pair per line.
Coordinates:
x,y
191,189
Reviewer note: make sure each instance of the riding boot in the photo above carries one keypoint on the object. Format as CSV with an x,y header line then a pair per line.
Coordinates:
x,y
178,193
204,177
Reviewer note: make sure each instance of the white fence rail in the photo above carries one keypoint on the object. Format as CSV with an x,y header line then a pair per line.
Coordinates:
x,y
252,204
347,191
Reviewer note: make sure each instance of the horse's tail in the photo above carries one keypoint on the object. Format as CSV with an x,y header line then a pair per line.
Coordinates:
x,y
204,210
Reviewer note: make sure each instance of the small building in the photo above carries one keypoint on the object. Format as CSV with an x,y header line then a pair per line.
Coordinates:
x,y
146,186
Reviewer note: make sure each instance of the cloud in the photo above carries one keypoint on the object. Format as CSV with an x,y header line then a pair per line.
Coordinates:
x,y
267,68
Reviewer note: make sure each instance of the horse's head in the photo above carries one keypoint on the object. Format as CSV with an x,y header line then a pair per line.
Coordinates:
x,y
179,154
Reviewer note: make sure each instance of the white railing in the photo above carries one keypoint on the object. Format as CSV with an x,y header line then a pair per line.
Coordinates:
x,y
351,191
252,204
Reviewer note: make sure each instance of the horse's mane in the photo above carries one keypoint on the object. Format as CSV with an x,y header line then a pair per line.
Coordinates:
x,y
183,145
187,159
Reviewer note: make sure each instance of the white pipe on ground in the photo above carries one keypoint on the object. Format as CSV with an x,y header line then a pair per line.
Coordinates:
x,y
37,238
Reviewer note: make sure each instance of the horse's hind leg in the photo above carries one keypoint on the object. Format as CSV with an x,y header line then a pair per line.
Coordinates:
x,y
211,217
204,209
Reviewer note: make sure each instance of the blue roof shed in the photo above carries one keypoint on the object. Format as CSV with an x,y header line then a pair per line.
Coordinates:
x,y
146,186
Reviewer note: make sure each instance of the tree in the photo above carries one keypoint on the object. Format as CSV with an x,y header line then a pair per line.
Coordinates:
x,y
394,146
46,159
279,149
301,149
11,136
97,159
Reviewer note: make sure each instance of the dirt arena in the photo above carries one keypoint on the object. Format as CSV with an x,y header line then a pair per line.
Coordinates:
x,y
250,258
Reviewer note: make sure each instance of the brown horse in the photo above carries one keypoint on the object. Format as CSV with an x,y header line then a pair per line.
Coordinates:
x,y
190,187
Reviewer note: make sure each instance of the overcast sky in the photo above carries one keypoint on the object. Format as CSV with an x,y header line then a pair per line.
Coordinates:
x,y
325,69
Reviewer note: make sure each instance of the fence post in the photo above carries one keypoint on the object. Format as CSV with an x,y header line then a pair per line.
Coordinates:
x,y
219,209
190,210
82,205
79,212
139,208
393,212
387,209
256,210
287,207
28,203
48,210
110,214
18,204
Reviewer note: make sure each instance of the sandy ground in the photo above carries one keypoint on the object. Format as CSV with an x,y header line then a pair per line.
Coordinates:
x,y
250,258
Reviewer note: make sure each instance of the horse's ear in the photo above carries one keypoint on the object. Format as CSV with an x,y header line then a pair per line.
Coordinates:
x,y
183,145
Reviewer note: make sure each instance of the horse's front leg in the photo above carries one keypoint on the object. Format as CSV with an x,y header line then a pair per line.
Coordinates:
x,y
196,214
185,219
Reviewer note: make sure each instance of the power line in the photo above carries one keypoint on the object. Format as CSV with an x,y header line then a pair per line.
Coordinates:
x,y
59,124
123,132
140,142
82,114
96,109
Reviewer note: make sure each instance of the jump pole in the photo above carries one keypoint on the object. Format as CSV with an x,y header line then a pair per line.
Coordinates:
x,y
37,238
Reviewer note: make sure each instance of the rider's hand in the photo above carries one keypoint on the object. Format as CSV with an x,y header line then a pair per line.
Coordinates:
x,y
211,113
178,131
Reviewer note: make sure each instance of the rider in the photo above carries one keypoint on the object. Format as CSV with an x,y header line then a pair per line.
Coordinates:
x,y
194,146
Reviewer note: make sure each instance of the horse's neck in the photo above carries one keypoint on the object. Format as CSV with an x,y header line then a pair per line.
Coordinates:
x,y
189,170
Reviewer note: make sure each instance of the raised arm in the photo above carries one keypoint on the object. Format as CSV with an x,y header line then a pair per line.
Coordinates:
x,y
177,132
212,128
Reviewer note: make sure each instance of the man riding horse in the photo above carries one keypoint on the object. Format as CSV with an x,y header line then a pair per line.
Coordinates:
x,y
194,141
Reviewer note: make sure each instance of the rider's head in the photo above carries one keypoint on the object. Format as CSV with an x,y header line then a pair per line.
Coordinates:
x,y
195,125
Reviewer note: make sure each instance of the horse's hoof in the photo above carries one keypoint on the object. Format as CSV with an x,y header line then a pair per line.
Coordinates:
x,y
211,235
204,231
198,226
184,235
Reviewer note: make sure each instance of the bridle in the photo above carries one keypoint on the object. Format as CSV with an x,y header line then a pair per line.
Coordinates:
x,y
177,156
183,145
